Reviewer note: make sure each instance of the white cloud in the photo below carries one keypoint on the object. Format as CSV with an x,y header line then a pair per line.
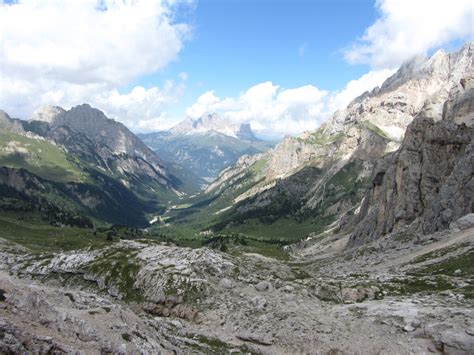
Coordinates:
x,y
273,111
270,109
357,87
183,76
141,109
410,27
69,52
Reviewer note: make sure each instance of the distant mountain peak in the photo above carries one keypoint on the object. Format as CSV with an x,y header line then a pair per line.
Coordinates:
x,y
212,122
47,113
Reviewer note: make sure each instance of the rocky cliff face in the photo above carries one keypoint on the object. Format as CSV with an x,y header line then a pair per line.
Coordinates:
x,y
429,182
86,132
347,147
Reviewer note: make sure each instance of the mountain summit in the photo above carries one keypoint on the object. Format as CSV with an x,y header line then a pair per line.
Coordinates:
x,y
212,122
205,145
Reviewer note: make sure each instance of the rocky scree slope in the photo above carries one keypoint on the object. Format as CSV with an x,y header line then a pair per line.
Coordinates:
x,y
148,296
330,168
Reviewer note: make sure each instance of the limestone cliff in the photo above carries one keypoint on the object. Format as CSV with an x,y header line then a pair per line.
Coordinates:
x,y
429,182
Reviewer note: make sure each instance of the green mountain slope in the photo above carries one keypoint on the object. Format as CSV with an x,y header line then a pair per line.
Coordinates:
x,y
61,170
204,154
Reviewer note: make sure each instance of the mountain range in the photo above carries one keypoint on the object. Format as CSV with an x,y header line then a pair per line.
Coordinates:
x,y
357,237
205,145
83,162
318,180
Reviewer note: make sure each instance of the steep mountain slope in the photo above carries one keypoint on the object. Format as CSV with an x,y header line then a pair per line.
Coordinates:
x,y
83,162
206,145
429,182
89,135
338,158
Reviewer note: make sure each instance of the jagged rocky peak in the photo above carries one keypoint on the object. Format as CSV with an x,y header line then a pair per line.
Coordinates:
x,y
212,122
102,130
440,66
4,118
47,113
9,124
421,84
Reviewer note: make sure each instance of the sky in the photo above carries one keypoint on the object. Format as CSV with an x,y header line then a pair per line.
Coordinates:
x,y
284,66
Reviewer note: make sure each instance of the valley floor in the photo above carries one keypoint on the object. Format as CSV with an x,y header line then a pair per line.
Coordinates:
x,y
390,297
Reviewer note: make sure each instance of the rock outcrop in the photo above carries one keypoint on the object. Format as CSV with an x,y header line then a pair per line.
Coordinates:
x,y
429,182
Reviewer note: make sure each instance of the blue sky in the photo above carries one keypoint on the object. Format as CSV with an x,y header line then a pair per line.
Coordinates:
x,y
282,65
237,44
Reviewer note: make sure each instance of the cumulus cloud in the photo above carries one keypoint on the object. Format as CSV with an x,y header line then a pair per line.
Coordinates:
x,y
270,109
69,52
274,111
410,27
357,87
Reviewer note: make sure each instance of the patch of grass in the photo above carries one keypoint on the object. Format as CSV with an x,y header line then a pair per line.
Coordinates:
x,y
437,253
432,284
119,269
258,166
238,244
46,238
413,285
321,138
464,262
375,129
405,237
287,230
37,156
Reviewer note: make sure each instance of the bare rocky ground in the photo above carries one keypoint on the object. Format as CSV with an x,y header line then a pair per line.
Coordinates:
x,y
401,294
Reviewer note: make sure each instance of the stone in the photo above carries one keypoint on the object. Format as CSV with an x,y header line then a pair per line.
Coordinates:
x,y
415,323
259,302
263,286
463,223
256,338
226,283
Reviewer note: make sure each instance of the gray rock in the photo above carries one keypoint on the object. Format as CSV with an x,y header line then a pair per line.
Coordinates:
x,y
259,302
226,283
463,223
263,286
256,338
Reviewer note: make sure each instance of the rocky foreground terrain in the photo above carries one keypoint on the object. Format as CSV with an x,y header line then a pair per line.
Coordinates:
x,y
389,296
